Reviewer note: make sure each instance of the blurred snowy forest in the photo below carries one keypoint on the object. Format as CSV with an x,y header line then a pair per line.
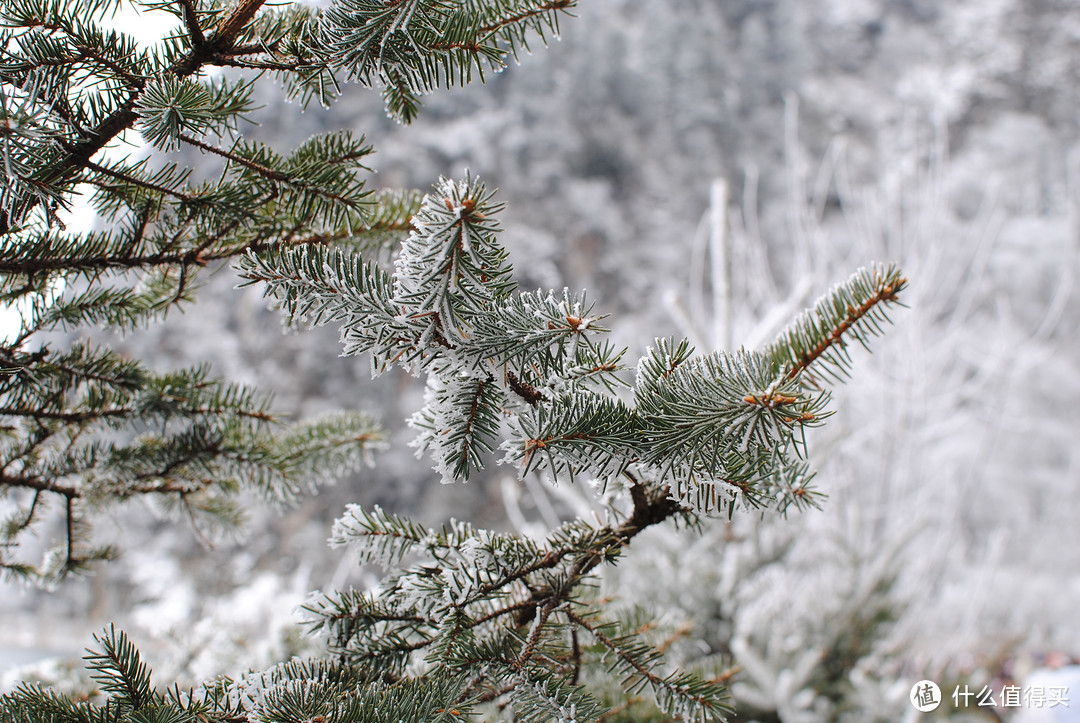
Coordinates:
x,y
686,162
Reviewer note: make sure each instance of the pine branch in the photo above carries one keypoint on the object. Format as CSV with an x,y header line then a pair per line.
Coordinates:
x,y
30,703
582,433
120,671
468,615
207,438
66,168
141,183
522,18
544,337
413,47
543,698
191,21
856,309
451,269
459,424
380,537
542,9
37,484
222,40
685,697
387,539
317,286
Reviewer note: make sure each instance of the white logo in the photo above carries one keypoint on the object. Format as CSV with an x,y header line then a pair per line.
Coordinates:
x,y
925,696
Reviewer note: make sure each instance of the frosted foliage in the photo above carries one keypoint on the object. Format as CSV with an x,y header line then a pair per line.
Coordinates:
x,y
414,592
476,552
917,551
478,562
252,689
457,424
786,609
448,267
436,417
941,135
565,714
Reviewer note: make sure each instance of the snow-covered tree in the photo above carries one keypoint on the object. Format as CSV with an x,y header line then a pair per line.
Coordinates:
x,y
467,621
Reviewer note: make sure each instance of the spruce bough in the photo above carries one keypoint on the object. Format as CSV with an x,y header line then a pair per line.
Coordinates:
x,y
468,623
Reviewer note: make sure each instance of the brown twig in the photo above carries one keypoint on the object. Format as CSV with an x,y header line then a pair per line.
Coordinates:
x,y
36,483
546,7
106,171
523,389
884,293
191,20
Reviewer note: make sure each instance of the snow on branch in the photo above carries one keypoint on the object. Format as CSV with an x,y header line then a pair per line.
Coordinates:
x,y
817,341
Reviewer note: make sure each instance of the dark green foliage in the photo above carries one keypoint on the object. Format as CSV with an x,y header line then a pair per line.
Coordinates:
x,y
171,107
414,46
92,429
81,424
293,692
120,671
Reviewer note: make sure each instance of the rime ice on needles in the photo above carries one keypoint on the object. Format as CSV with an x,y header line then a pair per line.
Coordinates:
x,y
715,430
450,269
703,434
467,621
412,47
458,423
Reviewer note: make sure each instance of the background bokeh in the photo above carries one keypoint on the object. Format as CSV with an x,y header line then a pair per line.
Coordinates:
x,y
803,139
